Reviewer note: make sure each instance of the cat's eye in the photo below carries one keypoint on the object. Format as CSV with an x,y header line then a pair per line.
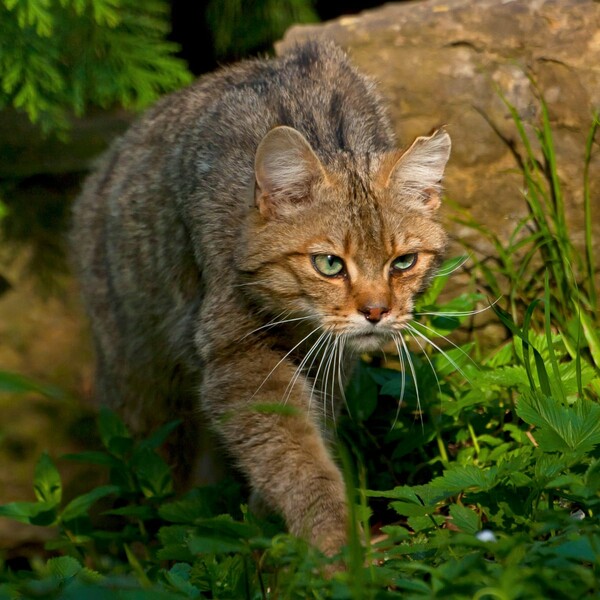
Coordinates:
x,y
404,262
328,264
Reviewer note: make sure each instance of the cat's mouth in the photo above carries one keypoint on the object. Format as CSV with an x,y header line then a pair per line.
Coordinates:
x,y
375,336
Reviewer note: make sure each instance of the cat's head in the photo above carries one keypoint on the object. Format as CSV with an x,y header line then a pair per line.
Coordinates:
x,y
350,243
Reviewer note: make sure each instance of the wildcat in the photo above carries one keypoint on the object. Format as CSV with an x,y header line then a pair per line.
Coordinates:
x,y
241,238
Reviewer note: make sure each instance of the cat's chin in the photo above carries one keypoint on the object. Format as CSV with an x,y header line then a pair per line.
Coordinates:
x,y
367,342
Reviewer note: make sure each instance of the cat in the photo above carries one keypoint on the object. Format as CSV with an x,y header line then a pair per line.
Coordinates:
x,y
244,238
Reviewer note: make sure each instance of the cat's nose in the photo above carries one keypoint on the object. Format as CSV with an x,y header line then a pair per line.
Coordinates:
x,y
374,314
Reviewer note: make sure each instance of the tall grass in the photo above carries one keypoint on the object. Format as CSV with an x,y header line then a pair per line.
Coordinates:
x,y
543,241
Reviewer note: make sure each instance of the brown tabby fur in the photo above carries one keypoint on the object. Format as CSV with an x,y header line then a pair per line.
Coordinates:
x,y
197,231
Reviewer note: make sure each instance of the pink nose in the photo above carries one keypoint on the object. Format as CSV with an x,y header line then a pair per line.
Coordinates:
x,y
374,314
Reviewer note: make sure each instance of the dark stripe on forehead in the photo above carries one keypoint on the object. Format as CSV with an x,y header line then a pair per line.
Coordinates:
x,y
336,117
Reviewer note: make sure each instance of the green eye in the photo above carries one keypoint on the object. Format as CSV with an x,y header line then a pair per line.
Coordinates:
x,y
404,262
328,264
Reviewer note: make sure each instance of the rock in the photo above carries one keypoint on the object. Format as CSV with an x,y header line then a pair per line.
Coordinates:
x,y
441,61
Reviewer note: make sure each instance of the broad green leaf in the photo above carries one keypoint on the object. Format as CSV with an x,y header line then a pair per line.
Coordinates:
x,y
425,524
63,567
464,518
504,377
562,428
406,509
576,550
461,478
419,495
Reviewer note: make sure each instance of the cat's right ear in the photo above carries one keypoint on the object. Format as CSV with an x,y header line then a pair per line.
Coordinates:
x,y
285,167
418,173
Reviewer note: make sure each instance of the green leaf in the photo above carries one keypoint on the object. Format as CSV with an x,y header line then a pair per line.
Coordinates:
x,y
143,513
159,437
562,428
406,509
174,543
34,513
221,535
179,576
46,482
153,473
459,478
113,433
63,567
94,458
590,331
185,510
464,518
11,383
80,505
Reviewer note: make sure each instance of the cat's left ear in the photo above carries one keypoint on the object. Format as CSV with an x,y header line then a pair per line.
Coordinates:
x,y
419,170
285,167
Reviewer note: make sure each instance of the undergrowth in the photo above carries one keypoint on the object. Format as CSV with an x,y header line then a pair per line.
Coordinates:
x,y
485,484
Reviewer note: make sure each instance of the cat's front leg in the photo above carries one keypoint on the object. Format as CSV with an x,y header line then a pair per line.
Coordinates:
x,y
281,452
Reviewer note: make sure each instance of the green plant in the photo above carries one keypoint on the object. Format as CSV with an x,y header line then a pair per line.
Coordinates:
x,y
542,241
57,58
486,489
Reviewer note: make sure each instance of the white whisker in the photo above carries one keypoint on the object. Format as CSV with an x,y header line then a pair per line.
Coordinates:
x,y
327,373
274,324
435,333
428,359
340,370
450,360
297,373
455,268
414,374
328,341
284,357
402,380
459,313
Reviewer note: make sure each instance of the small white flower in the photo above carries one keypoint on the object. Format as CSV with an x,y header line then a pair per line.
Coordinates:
x,y
486,535
578,515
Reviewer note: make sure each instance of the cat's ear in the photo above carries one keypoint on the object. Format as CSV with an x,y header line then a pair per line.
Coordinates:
x,y
285,167
419,170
